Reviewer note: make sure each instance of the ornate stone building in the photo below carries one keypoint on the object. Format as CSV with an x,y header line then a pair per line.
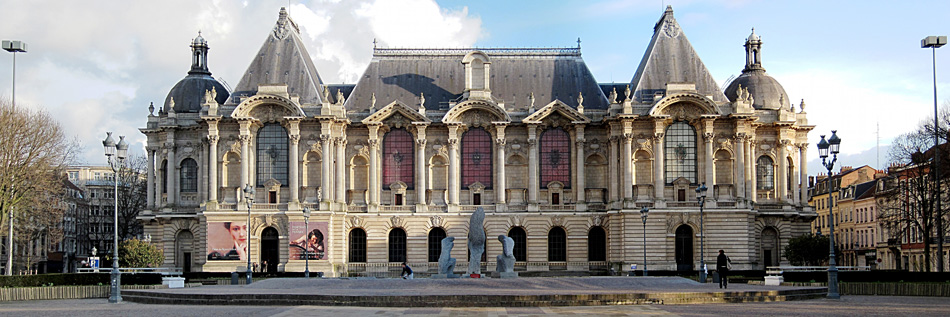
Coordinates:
x,y
390,165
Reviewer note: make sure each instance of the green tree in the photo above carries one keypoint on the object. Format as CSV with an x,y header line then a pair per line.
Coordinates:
x,y
807,249
138,253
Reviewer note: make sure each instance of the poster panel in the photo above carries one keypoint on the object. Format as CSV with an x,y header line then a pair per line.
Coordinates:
x,y
315,241
227,241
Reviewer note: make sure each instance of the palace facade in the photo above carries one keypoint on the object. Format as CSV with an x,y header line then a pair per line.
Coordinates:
x,y
390,165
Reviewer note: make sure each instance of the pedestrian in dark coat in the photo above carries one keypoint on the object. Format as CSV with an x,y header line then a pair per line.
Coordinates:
x,y
723,263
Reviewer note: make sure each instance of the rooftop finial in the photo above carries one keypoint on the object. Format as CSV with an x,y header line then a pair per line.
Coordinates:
x,y
578,42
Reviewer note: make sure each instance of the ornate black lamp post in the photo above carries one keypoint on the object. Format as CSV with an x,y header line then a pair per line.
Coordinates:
x,y
249,199
832,145
306,250
701,198
643,215
120,151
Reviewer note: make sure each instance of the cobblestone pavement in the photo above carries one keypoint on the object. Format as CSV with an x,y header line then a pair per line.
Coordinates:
x,y
847,306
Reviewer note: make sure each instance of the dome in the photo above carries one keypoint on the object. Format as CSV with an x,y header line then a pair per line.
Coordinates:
x,y
189,93
766,92
752,37
199,40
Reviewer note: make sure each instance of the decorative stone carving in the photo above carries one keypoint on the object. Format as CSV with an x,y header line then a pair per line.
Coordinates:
x,y
396,222
476,241
505,260
354,222
446,261
270,113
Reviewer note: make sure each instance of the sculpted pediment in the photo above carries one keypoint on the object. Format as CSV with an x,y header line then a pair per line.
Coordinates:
x,y
397,110
685,106
556,110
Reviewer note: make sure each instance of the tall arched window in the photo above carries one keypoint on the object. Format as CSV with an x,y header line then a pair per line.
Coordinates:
x,y
397,245
435,243
555,157
164,177
357,245
557,245
680,152
764,173
272,146
189,176
597,244
397,158
521,243
476,158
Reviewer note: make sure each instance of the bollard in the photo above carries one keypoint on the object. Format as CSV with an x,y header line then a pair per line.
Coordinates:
x,y
234,278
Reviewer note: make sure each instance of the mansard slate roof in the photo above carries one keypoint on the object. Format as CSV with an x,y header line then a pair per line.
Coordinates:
x,y
282,59
670,58
549,73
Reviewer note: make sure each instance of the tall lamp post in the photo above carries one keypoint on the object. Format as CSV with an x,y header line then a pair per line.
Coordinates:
x,y
832,144
306,250
120,152
934,42
249,199
701,198
643,215
12,47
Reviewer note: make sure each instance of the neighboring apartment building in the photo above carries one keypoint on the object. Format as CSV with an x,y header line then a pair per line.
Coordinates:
x,y
94,227
393,163
66,257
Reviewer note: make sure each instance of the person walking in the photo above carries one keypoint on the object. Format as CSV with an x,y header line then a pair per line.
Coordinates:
x,y
406,271
723,265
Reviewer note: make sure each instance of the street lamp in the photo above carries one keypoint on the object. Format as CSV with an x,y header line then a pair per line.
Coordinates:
x,y
701,198
13,47
306,221
934,42
643,215
824,147
120,152
249,199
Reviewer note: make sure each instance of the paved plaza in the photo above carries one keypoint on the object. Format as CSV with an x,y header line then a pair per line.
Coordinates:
x,y
847,306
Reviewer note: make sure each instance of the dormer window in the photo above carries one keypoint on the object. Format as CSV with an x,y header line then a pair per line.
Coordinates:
x,y
477,75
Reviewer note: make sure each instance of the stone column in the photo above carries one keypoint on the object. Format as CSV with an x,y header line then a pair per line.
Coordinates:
x,y
803,172
340,180
150,178
581,186
627,166
740,166
454,180
172,168
500,186
533,185
213,168
750,165
420,181
293,127
373,165
325,185
782,172
710,176
659,178
613,170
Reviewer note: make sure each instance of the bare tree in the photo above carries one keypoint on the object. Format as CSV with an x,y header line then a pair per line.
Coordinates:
x,y
909,206
132,195
33,146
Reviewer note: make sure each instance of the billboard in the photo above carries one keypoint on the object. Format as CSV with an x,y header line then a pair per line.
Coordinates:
x,y
313,242
227,241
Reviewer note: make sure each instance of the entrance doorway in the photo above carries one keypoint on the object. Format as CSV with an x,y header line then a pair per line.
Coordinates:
x,y
770,247
270,250
684,248
184,246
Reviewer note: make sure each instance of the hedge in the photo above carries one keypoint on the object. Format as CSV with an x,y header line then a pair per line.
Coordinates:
x,y
59,279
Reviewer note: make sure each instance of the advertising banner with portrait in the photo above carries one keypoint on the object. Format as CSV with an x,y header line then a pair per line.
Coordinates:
x,y
227,241
313,242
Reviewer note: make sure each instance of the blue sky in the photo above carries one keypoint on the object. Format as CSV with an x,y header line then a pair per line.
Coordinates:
x,y
856,63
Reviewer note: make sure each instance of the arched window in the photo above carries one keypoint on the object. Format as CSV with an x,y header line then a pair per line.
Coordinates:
x,y
680,152
764,173
435,243
476,158
521,243
557,245
397,158
272,146
397,245
164,177
597,244
189,176
357,245
555,157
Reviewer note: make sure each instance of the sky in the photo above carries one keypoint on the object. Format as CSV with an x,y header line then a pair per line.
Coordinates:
x,y
858,65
